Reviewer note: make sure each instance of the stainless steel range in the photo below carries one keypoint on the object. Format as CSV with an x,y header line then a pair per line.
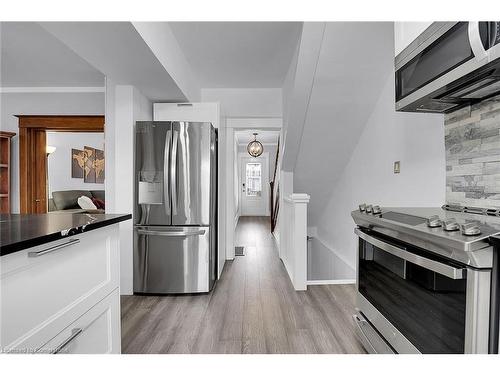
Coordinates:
x,y
427,279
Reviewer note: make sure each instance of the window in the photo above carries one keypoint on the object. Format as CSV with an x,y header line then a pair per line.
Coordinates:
x,y
253,180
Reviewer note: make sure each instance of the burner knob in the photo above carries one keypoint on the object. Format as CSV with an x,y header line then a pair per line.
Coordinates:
x,y
470,229
362,207
434,221
376,210
369,209
450,225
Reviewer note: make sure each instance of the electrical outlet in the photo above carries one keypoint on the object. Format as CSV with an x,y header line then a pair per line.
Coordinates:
x,y
397,166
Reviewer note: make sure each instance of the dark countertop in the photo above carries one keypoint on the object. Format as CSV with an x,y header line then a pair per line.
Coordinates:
x,y
19,232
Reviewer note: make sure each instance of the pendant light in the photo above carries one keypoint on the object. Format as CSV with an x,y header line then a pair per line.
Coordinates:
x,y
255,148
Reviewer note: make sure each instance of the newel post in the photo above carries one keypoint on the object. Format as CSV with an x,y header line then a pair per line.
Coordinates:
x,y
298,237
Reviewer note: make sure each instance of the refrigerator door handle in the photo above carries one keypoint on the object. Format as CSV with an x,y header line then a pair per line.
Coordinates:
x,y
173,173
198,232
166,154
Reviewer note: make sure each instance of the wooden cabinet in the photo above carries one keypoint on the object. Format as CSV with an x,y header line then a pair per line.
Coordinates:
x,y
5,151
46,298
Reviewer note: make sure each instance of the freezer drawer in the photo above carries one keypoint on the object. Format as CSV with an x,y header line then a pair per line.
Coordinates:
x,y
171,259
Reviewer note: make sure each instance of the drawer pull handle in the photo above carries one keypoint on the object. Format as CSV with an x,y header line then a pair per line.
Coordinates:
x,y
34,254
200,232
75,332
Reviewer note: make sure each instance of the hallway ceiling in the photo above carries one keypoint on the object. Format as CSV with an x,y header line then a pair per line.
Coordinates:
x,y
238,54
32,57
264,136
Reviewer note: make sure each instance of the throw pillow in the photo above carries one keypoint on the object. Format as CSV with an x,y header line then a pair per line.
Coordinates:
x,y
86,203
99,203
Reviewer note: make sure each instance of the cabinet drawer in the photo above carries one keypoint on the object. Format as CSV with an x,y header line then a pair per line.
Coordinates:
x,y
43,294
96,332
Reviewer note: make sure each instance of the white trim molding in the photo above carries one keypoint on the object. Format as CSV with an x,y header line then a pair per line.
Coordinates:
x,y
52,90
298,198
331,282
293,238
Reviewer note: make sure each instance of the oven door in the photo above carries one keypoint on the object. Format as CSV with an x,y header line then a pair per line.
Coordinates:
x,y
418,302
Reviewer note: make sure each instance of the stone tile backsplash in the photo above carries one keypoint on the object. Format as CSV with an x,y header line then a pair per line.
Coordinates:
x,y
472,141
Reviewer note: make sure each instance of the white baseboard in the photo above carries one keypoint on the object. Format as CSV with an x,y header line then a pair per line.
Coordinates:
x,y
330,282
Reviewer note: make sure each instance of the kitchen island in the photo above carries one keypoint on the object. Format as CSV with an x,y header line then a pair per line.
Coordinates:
x,y
59,283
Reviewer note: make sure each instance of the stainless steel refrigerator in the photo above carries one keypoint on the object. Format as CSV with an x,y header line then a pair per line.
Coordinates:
x,y
175,213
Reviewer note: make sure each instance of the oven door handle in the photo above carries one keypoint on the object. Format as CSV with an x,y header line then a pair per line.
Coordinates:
x,y
438,267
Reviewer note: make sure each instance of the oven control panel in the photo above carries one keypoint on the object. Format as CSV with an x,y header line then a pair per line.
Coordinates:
x,y
435,222
451,225
370,209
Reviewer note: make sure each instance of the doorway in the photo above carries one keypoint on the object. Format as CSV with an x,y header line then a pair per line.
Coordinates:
x,y
238,134
254,185
33,156
254,176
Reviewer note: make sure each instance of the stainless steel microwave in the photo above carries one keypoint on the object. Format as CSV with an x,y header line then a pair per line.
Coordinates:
x,y
450,65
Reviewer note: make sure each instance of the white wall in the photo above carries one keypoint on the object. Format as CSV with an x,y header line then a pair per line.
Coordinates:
x,y
245,102
298,87
406,32
417,140
60,161
41,104
124,106
325,265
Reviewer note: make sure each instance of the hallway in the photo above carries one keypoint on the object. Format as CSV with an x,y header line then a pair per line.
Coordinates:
x,y
253,309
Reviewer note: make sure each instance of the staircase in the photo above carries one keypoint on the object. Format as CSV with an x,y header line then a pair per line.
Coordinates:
x,y
275,193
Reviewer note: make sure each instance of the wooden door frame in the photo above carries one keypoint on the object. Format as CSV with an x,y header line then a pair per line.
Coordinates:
x,y
32,155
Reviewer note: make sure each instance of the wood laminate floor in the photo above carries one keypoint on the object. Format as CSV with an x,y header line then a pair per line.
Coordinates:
x,y
253,309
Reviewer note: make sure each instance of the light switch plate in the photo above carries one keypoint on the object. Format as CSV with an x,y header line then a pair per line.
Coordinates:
x,y
397,166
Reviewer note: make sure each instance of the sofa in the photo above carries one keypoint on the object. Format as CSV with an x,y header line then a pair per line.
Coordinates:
x,y
66,201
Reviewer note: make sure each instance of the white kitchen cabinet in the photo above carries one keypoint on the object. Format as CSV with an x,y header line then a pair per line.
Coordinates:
x,y
407,32
97,331
46,289
196,112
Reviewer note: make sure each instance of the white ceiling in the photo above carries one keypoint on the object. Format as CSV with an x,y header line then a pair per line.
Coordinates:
x,y
32,57
238,54
120,52
355,61
243,137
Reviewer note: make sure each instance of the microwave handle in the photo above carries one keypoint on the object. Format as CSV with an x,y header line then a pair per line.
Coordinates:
x,y
475,41
432,265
